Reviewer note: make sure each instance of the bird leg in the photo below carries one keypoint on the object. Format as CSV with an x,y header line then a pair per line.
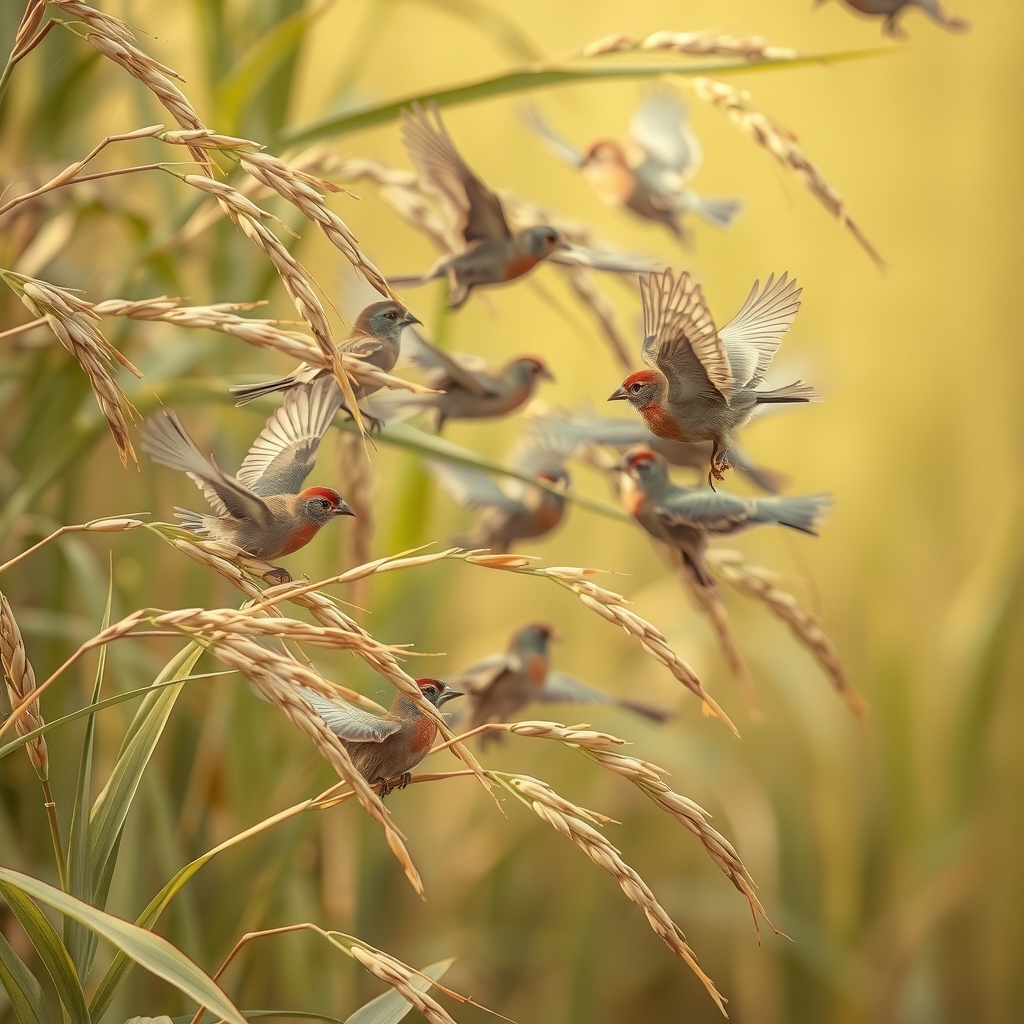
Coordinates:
x,y
374,423
405,778
385,787
276,575
719,463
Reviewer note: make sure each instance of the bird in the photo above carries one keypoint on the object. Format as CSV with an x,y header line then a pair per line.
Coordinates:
x,y
385,748
501,685
702,383
649,180
683,518
469,388
376,337
483,249
892,11
263,509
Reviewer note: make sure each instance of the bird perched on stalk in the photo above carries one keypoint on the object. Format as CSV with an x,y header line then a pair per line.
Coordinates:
x,y
376,337
469,388
262,509
501,685
892,11
650,178
702,383
482,248
385,748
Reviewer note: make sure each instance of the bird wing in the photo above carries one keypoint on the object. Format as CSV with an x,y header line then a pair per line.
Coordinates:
x,y
714,511
537,449
458,367
680,337
439,163
534,119
480,676
168,443
754,334
348,722
560,688
470,487
284,453
660,127
595,259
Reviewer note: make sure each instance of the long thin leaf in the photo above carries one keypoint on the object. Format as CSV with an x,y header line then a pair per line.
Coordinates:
x,y
151,951
391,1006
209,1018
21,986
51,950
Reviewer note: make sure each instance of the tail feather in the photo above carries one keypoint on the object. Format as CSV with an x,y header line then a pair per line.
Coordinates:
x,y
649,711
245,393
798,391
719,213
943,15
168,443
801,513
194,521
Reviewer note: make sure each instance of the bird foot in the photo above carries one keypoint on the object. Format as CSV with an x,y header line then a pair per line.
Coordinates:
x,y
277,575
396,782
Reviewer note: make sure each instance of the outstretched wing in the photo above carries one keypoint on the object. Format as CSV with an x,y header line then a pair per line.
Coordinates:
x,y
481,676
660,127
574,255
440,165
534,119
560,688
680,337
459,368
348,722
714,511
538,449
754,334
284,453
471,488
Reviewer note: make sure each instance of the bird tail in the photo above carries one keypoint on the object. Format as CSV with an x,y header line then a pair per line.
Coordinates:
x,y
649,711
245,393
719,213
943,15
798,391
168,443
802,513
194,521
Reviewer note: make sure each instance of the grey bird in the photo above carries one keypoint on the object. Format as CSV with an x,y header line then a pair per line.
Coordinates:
x,y
892,11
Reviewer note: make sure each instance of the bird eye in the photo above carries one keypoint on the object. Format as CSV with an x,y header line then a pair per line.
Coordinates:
x,y
635,388
391,314
430,691
324,503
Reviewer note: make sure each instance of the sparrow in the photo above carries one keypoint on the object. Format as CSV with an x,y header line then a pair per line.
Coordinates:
x,y
470,389
892,11
482,247
376,337
683,518
262,509
501,685
384,748
651,179
703,381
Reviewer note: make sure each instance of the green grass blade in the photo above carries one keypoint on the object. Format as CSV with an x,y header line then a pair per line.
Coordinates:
x,y
21,987
491,23
50,948
151,951
391,1007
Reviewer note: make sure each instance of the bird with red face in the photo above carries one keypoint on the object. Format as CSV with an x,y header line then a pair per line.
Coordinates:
x,y
893,10
703,381
501,685
649,180
263,509
385,748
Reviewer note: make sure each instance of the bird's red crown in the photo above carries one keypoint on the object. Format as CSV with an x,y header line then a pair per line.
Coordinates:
x,y
322,492
427,681
640,377
640,458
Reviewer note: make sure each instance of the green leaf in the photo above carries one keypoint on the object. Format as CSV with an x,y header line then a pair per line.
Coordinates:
x,y
111,806
50,948
391,1007
151,951
21,986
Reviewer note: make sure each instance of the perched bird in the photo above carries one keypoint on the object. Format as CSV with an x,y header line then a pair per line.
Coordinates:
x,y
702,387
501,685
651,179
483,249
470,389
683,518
892,11
263,509
385,748
376,337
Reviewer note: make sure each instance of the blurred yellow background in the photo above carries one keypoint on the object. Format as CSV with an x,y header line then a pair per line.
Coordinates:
x,y
889,851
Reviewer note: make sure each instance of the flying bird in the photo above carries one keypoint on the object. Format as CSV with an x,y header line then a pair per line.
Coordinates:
x,y
892,11
649,177
501,685
702,385
384,748
263,509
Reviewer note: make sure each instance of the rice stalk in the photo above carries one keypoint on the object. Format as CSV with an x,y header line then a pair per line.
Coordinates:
x,y
27,38
117,524
21,682
708,43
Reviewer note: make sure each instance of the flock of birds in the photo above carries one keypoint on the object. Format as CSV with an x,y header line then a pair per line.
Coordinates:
x,y
701,385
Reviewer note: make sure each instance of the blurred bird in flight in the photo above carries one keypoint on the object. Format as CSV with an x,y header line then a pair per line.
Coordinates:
x,y
385,748
263,508
703,381
483,249
892,11
650,177
501,685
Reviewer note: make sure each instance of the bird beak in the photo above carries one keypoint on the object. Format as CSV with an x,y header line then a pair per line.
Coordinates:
x,y
618,395
546,374
410,319
620,467
448,694
344,510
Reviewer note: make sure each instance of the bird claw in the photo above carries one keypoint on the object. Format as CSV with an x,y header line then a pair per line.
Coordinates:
x,y
277,575
390,785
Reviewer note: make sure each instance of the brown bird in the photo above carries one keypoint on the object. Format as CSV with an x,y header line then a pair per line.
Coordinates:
x,y
483,249
651,180
263,509
501,685
376,337
470,389
892,11
702,387
385,748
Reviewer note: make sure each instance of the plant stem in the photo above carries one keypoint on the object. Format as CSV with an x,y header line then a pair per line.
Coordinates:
x,y
58,846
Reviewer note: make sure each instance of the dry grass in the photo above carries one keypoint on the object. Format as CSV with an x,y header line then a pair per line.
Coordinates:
x,y
21,683
695,44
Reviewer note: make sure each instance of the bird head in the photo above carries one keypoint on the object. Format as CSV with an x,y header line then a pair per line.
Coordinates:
x,y
384,320
542,240
437,691
646,467
640,389
321,504
529,370
533,638
605,152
